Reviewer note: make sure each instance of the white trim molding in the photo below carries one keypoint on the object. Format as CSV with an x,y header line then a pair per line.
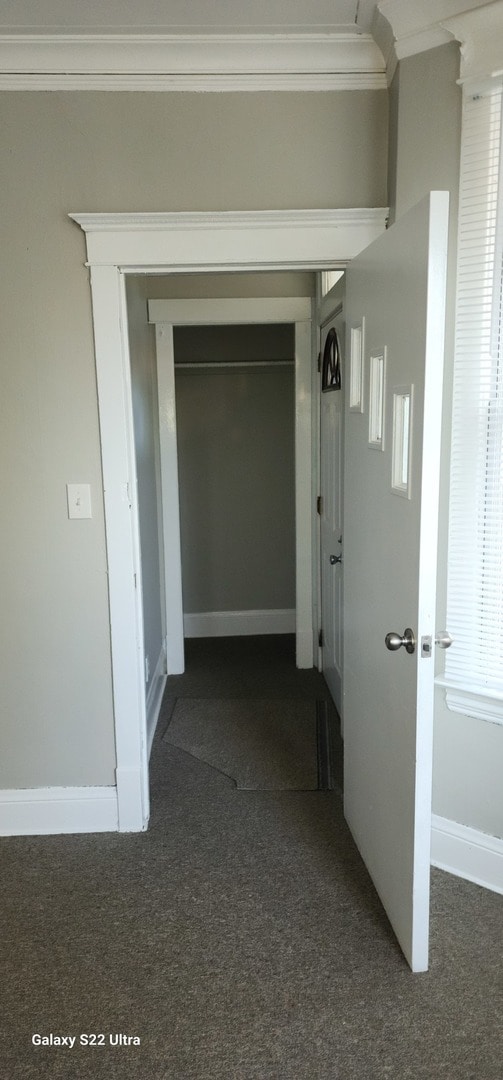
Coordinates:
x,y
224,311
480,703
121,243
415,28
467,853
42,811
480,33
332,60
237,240
191,62
239,623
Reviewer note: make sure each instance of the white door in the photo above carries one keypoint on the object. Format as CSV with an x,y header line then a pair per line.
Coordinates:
x,y
331,444
391,482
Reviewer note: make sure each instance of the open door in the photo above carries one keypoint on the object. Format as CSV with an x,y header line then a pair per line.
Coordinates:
x,y
396,291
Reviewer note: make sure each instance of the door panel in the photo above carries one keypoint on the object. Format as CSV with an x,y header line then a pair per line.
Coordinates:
x,y
331,445
397,286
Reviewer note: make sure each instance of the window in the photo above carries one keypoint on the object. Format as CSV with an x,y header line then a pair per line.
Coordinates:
x,y
376,400
474,669
356,374
400,451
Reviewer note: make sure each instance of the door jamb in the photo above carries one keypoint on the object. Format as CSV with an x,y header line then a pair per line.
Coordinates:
x,y
327,307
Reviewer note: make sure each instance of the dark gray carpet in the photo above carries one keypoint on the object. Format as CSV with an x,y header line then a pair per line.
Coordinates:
x,y
261,744
240,937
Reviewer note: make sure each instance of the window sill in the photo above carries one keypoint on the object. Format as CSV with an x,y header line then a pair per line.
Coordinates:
x,y
482,704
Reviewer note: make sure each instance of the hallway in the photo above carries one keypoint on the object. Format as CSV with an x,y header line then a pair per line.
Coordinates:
x,y
240,938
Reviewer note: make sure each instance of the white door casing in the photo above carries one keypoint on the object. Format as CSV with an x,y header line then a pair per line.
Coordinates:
x,y
331,478
172,243
390,554
225,312
173,601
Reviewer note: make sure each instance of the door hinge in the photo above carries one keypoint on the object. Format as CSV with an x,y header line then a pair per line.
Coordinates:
x,y
321,641
319,504
319,361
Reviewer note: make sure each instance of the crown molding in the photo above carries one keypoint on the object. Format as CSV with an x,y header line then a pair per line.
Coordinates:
x,y
328,60
229,219
415,28
191,62
422,41
238,83
410,19
480,32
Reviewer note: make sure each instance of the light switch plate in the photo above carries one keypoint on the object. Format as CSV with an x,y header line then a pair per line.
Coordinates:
x,y
79,500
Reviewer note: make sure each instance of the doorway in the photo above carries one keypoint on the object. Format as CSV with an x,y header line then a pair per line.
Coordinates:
x,y
237,312
119,244
235,419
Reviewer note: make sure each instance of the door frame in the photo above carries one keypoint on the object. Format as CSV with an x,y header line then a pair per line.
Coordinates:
x,y
331,306
328,306
167,243
165,314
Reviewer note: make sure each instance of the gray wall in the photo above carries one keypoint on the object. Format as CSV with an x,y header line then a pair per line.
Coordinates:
x,y
147,452
236,443
424,147
424,128
199,286
228,344
84,151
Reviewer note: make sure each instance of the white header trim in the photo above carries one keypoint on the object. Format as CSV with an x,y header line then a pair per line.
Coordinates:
x,y
234,219
301,239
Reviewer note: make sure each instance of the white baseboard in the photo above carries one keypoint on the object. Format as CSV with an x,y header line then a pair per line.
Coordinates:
x,y
154,698
234,623
467,853
40,811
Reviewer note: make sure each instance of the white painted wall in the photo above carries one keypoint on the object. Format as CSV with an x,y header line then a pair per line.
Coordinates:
x,y
89,151
146,430
425,127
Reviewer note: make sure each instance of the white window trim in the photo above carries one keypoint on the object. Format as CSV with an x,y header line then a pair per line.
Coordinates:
x,y
478,703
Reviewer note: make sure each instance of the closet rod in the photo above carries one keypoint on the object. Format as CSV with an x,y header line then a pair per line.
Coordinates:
x,y
232,363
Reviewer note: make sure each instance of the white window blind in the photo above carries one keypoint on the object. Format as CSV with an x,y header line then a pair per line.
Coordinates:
x,y
475,574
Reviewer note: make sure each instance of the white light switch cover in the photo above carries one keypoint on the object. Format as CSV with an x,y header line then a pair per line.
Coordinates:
x,y
79,500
